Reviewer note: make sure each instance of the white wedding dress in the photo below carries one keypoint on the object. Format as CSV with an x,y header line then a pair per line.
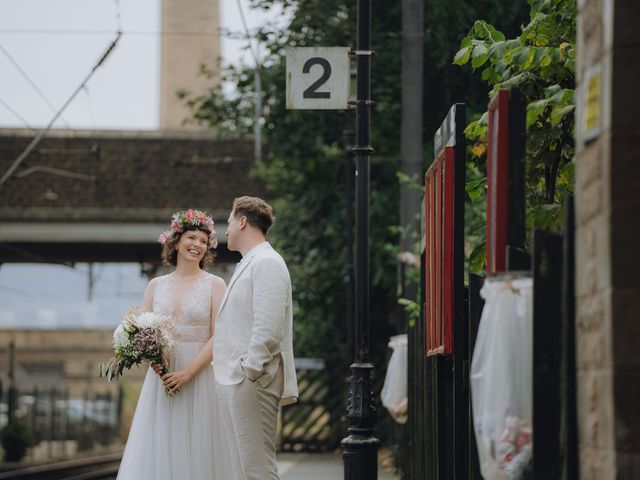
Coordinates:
x,y
180,437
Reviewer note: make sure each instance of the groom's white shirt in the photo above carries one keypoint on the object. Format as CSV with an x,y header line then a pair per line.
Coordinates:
x,y
253,328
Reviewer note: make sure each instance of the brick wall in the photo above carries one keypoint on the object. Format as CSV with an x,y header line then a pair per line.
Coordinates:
x,y
126,176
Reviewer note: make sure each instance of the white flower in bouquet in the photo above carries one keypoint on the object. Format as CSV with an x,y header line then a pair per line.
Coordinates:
x,y
168,341
120,337
140,336
149,320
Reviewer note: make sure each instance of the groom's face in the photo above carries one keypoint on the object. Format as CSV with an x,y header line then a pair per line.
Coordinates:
x,y
234,231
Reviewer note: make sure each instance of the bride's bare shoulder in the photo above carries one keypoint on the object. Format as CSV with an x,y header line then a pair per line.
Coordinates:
x,y
217,282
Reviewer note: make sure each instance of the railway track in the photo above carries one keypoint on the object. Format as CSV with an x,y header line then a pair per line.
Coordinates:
x,y
91,468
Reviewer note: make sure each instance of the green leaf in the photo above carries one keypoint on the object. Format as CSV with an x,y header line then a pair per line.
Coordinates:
x,y
521,56
475,189
557,114
513,43
539,54
496,50
514,81
562,96
487,31
491,75
535,110
462,56
480,55
477,258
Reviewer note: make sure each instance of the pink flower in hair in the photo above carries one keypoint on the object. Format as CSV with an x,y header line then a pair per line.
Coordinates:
x,y
184,219
190,215
165,237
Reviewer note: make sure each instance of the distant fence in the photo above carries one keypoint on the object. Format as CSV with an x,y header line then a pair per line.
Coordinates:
x,y
53,418
316,421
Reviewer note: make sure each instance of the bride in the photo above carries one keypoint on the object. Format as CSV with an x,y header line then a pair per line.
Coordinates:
x,y
180,436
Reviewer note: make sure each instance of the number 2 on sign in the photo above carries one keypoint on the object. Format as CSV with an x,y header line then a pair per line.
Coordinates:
x,y
312,91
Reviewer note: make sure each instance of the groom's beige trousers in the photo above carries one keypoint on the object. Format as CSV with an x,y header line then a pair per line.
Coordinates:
x,y
251,413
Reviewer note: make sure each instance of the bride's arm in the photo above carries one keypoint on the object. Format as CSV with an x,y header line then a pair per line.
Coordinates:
x,y
147,306
176,380
147,299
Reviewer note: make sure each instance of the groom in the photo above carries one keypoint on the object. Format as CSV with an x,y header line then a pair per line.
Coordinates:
x,y
252,347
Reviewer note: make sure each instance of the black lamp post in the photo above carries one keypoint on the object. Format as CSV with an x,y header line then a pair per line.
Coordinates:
x,y
360,448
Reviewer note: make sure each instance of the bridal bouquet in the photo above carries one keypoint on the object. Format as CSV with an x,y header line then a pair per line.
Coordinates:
x,y
140,336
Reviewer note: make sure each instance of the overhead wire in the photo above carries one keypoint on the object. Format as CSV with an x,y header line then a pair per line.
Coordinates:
x,y
8,107
32,83
257,127
105,32
42,133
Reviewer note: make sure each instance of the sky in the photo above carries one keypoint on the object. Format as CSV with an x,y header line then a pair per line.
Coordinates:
x,y
47,47
53,44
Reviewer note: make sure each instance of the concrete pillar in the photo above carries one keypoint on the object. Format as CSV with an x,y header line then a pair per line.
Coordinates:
x,y
608,238
190,38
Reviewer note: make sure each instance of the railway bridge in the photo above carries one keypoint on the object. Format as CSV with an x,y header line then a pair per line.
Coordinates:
x,y
104,196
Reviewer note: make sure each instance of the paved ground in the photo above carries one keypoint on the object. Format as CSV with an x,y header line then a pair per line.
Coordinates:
x,y
315,466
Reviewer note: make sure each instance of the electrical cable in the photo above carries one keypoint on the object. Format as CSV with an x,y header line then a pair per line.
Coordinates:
x,y
257,127
106,32
32,83
6,105
42,133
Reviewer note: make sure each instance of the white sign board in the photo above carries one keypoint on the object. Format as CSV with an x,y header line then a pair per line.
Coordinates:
x,y
317,78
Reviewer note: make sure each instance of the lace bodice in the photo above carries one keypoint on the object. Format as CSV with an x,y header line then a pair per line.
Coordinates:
x,y
191,313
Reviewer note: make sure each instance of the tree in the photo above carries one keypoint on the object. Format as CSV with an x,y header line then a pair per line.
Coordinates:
x,y
541,62
303,163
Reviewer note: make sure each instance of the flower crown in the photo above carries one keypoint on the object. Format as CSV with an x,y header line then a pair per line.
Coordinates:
x,y
190,218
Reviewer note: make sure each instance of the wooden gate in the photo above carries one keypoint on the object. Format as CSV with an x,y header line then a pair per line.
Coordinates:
x,y
313,423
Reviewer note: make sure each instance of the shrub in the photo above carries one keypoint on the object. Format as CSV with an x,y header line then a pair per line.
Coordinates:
x,y
15,439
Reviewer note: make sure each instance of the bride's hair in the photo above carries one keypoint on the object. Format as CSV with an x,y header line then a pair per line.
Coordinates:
x,y
170,252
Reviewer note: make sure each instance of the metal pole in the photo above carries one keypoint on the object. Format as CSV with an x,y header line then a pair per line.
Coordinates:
x,y
411,134
12,397
360,448
257,127
349,280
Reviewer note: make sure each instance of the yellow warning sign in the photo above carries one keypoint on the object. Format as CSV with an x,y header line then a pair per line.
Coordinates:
x,y
592,102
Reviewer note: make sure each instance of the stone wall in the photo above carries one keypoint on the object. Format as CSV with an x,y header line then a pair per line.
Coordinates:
x,y
607,227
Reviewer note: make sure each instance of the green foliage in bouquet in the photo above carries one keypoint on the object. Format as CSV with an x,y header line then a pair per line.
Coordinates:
x,y
141,336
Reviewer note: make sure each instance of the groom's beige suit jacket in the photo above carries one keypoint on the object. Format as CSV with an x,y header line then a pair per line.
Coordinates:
x,y
253,328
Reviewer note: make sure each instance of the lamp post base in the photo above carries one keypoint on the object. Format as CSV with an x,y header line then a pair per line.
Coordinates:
x,y
360,455
360,448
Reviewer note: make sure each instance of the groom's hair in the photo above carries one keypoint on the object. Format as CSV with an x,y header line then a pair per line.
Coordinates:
x,y
258,212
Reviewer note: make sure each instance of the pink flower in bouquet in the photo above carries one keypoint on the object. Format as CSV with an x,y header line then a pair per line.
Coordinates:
x,y
140,336
146,340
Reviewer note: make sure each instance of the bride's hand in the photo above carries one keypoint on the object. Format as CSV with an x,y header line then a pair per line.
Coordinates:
x,y
174,381
157,368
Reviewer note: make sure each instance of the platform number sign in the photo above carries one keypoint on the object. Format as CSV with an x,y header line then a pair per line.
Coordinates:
x,y
317,78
